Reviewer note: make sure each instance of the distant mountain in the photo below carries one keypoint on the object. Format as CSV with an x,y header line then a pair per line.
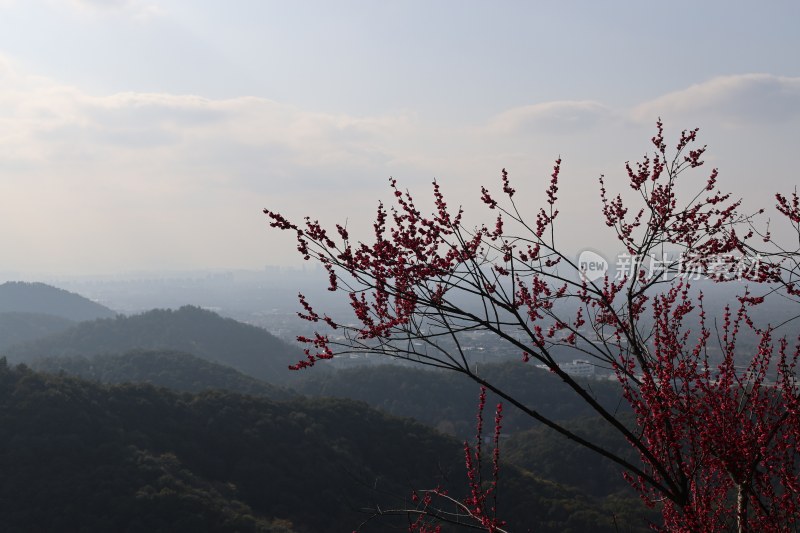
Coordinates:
x,y
79,456
16,328
207,335
23,297
178,371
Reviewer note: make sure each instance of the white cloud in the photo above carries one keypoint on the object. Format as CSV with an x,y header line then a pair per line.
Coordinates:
x,y
179,179
137,8
44,120
102,4
737,100
169,179
565,117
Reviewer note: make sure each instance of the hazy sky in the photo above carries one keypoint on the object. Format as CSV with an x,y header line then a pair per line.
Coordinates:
x,y
147,134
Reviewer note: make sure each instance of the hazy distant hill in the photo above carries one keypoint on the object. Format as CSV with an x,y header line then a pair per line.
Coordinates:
x,y
24,327
447,400
23,297
207,335
177,371
78,456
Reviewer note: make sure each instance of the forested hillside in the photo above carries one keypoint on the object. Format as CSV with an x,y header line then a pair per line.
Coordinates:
x,y
446,400
177,371
16,328
23,297
113,453
81,456
202,333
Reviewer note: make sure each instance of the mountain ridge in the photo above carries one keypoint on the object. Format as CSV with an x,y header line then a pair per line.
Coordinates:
x,y
40,298
204,334
174,370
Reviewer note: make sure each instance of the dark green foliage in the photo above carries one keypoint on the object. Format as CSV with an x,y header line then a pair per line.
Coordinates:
x,y
22,297
78,456
446,400
566,510
176,371
152,460
246,348
17,328
548,455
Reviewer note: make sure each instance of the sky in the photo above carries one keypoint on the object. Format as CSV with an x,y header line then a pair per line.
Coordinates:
x,y
148,135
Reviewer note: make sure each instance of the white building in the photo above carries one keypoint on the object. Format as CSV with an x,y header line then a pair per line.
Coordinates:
x,y
578,367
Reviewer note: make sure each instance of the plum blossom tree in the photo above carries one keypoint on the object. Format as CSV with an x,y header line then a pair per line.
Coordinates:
x,y
717,442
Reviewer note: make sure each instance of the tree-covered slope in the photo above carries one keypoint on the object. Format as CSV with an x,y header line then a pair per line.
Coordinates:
x,y
78,456
447,400
24,297
177,371
202,333
16,328
549,455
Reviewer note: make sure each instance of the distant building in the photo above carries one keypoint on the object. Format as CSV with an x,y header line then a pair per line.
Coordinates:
x,y
578,367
